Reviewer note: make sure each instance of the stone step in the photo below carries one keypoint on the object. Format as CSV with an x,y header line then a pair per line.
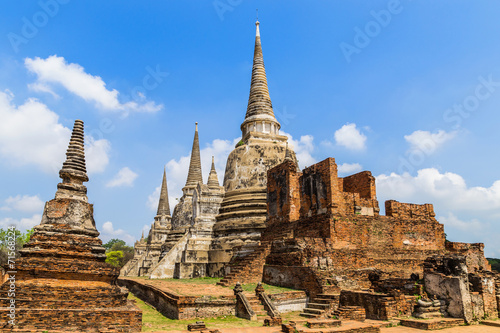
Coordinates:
x,y
328,296
321,306
315,311
320,323
491,323
323,301
308,315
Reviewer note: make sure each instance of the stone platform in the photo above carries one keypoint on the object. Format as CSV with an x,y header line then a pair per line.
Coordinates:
x,y
432,324
331,326
494,323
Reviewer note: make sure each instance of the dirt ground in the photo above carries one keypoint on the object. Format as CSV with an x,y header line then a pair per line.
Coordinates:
x,y
398,329
190,289
458,329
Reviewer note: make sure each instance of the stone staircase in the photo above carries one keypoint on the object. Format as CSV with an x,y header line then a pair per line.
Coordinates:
x,y
250,268
173,238
320,305
131,268
256,305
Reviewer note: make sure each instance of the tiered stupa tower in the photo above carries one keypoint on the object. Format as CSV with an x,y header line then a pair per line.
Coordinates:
x,y
183,211
62,280
147,252
243,212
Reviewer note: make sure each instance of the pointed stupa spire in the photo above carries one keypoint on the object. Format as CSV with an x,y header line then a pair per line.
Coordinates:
x,y
163,205
260,115
74,172
194,174
142,236
288,156
213,181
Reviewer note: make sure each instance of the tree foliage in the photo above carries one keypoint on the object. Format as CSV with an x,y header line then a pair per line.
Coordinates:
x,y
114,258
495,264
114,246
21,239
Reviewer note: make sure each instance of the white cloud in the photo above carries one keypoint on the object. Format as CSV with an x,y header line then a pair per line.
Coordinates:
x,y
96,154
350,137
428,142
302,148
448,190
470,214
154,197
30,134
21,224
109,232
124,177
349,168
55,70
23,203
42,87
454,222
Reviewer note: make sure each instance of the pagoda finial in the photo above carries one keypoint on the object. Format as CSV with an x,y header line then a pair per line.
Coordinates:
x,y
142,237
74,171
213,181
259,108
163,205
194,174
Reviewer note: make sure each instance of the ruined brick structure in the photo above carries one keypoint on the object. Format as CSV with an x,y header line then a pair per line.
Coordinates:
x,y
325,236
325,233
62,279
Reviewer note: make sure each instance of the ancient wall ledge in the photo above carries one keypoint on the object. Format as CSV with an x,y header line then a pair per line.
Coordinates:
x,y
180,307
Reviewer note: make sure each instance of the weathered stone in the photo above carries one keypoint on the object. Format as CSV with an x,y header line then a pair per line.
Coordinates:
x,y
242,215
62,279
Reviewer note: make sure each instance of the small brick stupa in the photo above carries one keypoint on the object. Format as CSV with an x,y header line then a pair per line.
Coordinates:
x,y
62,281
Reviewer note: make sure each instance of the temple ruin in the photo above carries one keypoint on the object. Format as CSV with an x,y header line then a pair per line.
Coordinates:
x,y
62,281
211,224
313,231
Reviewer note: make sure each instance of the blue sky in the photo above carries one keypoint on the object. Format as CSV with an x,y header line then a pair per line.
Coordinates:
x,y
408,90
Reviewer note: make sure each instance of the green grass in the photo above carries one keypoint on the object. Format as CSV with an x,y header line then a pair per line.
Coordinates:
x,y
202,280
248,287
153,320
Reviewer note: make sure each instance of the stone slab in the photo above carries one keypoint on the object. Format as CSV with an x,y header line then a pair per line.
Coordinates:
x,y
495,323
432,324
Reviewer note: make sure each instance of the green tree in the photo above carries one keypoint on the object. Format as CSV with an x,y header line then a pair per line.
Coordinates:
x,y
114,258
21,239
112,242
495,264
118,245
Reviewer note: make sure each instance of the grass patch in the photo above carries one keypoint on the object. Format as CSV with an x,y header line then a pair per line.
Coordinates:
x,y
250,287
201,280
153,320
288,316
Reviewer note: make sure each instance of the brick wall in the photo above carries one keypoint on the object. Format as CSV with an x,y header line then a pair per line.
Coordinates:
x,y
180,307
405,210
379,306
362,183
283,195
